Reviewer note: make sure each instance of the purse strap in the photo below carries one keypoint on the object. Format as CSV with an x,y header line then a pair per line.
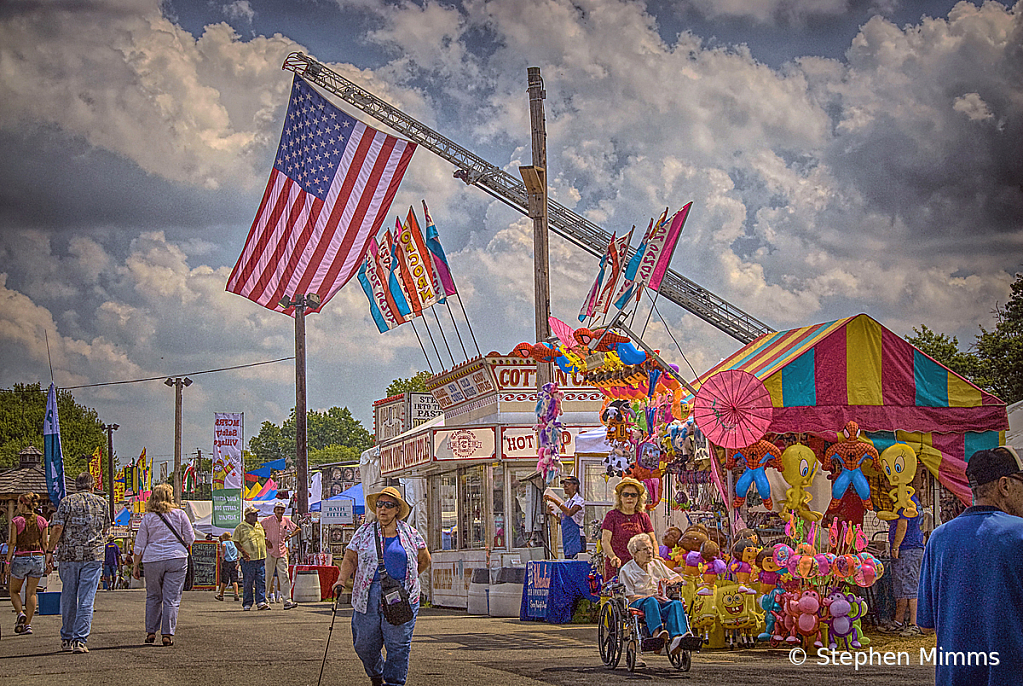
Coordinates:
x,y
174,531
381,568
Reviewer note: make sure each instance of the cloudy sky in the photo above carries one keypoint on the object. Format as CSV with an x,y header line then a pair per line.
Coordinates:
x,y
843,156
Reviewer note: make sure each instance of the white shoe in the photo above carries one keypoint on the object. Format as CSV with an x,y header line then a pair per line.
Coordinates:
x,y
676,643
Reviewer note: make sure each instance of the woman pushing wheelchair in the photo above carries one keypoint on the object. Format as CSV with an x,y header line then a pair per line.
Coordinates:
x,y
645,578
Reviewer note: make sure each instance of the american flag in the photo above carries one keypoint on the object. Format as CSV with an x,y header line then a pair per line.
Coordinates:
x,y
331,185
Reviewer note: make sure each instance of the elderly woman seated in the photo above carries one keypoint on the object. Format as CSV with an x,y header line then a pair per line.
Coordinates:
x,y
665,619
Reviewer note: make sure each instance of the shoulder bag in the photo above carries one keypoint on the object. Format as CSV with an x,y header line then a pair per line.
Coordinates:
x,y
393,595
190,571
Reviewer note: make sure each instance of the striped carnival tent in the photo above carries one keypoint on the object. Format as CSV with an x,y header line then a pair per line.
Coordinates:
x,y
822,376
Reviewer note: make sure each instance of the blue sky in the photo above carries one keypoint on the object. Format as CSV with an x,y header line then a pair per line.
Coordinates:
x,y
842,156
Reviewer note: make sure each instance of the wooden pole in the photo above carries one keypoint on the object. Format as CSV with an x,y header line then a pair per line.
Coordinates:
x,y
301,448
538,212
177,440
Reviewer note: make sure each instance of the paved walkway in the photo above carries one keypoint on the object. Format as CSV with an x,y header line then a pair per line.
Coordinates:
x,y
217,643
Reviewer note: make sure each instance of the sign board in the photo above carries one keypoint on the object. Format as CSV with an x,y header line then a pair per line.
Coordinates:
x,y
120,531
519,442
463,385
337,511
537,588
477,443
421,408
227,507
136,520
411,452
389,418
204,561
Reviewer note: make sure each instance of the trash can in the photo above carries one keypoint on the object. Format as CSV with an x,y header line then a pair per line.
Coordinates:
x,y
49,603
506,592
307,587
479,584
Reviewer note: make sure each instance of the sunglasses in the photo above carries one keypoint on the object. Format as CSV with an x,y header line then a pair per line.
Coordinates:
x,y
629,494
387,504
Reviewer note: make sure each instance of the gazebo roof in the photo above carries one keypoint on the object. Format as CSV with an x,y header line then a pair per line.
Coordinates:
x,y
14,482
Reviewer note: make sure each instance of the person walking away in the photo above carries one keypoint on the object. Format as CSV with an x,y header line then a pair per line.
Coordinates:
x,y
111,564
971,580
279,531
228,566
405,558
26,543
163,544
79,529
906,542
625,520
571,513
250,540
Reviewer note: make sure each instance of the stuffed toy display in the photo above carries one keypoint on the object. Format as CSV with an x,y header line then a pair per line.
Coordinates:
x,y
848,456
756,458
798,467
898,462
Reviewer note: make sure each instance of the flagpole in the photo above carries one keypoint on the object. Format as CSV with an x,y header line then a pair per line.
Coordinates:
x,y
443,337
455,324
469,324
440,360
653,302
410,321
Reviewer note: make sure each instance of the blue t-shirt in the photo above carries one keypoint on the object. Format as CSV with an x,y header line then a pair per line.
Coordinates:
x,y
914,537
230,552
112,557
395,560
971,593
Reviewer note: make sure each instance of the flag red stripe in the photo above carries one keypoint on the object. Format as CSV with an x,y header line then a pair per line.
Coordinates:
x,y
263,224
267,192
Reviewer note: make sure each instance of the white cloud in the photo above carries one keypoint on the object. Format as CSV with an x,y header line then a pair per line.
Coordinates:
x,y
973,107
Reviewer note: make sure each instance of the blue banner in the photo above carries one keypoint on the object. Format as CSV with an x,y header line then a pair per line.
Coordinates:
x,y
53,458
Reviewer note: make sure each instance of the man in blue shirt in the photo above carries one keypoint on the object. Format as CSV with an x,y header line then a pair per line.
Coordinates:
x,y
906,542
971,582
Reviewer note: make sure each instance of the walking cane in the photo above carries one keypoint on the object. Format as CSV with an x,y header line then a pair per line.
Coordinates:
x,y
333,615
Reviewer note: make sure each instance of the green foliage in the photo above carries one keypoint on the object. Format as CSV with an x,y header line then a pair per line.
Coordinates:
x,y
946,351
1001,350
415,384
331,436
21,424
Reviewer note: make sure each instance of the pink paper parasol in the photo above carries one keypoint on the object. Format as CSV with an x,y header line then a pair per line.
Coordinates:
x,y
733,408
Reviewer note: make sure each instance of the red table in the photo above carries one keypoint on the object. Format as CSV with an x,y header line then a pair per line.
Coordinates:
x,y
328,575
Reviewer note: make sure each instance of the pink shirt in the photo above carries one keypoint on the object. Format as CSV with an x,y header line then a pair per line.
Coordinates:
x,y
278,534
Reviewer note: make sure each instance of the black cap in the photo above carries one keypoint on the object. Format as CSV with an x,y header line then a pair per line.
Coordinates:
x,y
986,466
573,479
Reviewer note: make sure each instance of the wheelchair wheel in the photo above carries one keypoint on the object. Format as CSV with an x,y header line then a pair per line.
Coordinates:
x,y
630,656
682,660
609,634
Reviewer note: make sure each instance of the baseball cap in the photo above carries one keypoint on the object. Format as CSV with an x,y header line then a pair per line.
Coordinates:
x,y
573,479
251,508
986,466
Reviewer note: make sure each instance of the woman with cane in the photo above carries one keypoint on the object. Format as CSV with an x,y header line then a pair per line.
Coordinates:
x,y
386,556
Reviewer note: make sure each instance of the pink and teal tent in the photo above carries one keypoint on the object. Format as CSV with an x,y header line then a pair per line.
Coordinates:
x,y
824,375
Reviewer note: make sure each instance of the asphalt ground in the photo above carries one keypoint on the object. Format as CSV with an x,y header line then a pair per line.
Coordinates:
x,y
217,643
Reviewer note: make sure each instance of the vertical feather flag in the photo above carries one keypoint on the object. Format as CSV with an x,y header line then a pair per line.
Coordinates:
x,y
417,259
658,253
53,456
590,304
96,467
393,284
381,304
635,277
407,282
443,280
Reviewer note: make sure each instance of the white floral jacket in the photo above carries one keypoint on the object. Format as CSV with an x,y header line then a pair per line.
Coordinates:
x,y
364,544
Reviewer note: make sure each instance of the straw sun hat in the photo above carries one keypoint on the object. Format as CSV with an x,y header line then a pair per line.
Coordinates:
x,y
629,481
391,491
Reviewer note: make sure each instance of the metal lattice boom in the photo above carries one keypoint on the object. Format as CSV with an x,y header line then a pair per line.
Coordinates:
x,y
476,171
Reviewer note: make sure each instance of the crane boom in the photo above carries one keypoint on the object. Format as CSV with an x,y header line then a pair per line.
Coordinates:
x,y
476,171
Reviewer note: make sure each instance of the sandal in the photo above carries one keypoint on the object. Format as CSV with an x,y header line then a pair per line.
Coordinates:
x,y
150,638
219,597
168,640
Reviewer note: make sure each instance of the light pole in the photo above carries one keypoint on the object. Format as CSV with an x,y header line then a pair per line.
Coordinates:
x,y
300,302
110,429
177,383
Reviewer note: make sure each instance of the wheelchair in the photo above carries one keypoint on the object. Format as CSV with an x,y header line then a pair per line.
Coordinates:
x,y
622,629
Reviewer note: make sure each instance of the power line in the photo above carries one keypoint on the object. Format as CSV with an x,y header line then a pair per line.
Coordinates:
x,y
164,376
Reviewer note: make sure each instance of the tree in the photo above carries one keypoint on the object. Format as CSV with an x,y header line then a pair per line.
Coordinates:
x,y
415,384
946,351
21,423
331,436
1001,350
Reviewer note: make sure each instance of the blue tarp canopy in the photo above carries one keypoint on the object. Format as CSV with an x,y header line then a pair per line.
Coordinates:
x,y
353,493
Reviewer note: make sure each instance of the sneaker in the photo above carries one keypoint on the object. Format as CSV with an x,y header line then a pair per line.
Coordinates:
x,y
28,630
891,627
79,647
19,624
911,631
676,644
246,607
288,604
263,606
65,646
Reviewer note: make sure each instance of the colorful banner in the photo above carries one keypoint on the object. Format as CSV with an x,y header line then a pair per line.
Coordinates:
x,y
634,280
389,260
404,272
442,279
381,305
53,457
228,433
609,259
621,248
119,485
417,258
96,467
660,257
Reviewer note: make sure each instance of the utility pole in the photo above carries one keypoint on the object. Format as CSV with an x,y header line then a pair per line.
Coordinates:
x,y
110,429
301,302
177,383
535,179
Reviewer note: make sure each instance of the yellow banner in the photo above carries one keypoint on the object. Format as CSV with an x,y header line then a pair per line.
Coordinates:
x,y
96,468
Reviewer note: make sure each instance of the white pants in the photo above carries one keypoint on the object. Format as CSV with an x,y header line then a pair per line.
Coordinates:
x,y
281,565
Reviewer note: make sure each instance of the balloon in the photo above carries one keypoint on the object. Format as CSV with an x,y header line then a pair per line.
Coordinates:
x,y
629,353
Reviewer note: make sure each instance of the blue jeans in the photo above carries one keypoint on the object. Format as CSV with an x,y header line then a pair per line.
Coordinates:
x,y
109,577
371,632
80,581
667,613
254,572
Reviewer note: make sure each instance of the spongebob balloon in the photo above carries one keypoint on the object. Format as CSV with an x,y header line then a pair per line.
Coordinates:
x,y
898,462
799,466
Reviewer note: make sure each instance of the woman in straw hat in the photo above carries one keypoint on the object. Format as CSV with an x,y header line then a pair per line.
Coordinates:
x,y
405,558
627,519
